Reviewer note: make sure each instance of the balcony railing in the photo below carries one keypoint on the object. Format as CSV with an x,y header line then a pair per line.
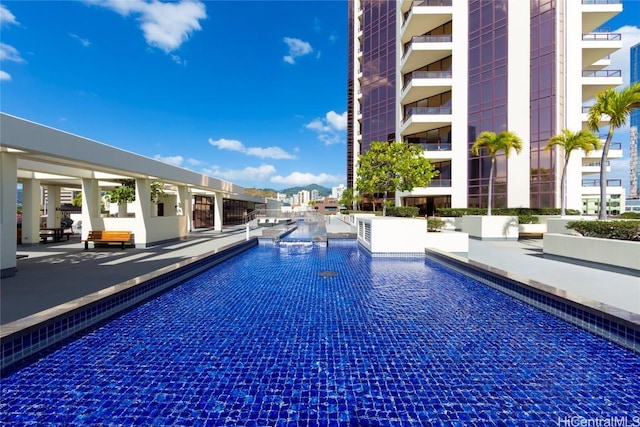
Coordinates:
x,y
601,73
427,75
446,38
440,183
596,183
601,1
608,163
601,36
426,110
433,146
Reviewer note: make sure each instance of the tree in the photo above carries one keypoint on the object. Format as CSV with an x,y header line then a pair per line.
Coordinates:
x,y
126,193
347,198
392,166
615,106
570,141
494,143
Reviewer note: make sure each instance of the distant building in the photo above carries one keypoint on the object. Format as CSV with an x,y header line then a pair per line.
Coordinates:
x,y
315,195
328,205
336,192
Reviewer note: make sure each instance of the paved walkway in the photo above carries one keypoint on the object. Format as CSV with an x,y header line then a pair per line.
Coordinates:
x,y
54,274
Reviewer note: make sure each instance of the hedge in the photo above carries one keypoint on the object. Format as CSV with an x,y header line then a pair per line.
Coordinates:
x,y
458,212
403,211
618,230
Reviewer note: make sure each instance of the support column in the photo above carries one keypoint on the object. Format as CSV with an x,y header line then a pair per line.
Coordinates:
x,y
217,212
142,210
8,209
53,206
182,211
31,211
91,219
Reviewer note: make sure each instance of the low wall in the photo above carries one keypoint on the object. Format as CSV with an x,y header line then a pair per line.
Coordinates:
x,y
621,254
392,235
557,225
494,227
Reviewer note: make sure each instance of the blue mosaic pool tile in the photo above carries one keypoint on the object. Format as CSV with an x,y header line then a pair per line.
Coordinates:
x,y
269,339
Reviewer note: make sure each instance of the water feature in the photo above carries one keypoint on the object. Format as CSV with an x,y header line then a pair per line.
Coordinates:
x,y
330,336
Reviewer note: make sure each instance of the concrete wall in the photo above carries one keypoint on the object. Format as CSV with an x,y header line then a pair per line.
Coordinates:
x,y
618,253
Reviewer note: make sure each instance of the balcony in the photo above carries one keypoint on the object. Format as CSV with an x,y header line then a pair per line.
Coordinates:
x,y
594,167
408,4
425,84
615,151
597,12
596,183
421,119
425,50
596,46
595,81
440,183
425,15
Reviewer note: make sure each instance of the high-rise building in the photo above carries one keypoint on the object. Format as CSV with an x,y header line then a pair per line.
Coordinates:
x,y
634,121
447,70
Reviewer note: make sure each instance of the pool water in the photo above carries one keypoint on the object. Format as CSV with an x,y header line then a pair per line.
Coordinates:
x,y
327,336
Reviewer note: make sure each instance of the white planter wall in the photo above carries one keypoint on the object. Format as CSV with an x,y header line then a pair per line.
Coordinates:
x,y
494,227
405,235
619,253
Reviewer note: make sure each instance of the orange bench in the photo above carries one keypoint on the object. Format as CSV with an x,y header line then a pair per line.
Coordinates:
x,y
104,236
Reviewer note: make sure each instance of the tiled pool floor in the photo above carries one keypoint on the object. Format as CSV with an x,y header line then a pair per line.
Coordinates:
x,y
307,335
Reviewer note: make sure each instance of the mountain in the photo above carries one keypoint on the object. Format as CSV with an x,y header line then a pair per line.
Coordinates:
x,y
269,192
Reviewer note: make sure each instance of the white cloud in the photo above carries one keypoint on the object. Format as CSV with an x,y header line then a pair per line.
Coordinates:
x,y
620,58
261,173
6,17
297,48
195,162
9,53
300,178
4,76
84,42
164,25
172,160
263,153
331,129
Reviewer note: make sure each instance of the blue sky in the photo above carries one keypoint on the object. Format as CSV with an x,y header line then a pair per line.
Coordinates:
x,y
251,92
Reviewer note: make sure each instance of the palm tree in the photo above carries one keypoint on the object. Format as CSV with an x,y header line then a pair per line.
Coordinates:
x,y
570,141
494,143
616,106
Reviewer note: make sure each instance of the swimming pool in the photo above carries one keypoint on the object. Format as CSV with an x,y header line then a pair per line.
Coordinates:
x,y
327,336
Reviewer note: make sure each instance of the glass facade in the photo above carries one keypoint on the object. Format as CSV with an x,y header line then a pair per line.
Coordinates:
x,y
378,72
487,107
350,100
543,102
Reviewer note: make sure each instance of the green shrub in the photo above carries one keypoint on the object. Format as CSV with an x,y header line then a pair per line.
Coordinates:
x,y
403,211
618,230
528,219
458,212
435,224
629,215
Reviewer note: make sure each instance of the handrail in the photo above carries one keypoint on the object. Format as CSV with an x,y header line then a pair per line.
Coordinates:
x,y
596,183
426,110
427,75
601,73
601,1
602,36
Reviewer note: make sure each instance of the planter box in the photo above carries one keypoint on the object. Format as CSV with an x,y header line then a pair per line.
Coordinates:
x,y
622,254
391,235
453,223
448,241
527,230
495,227
557,225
